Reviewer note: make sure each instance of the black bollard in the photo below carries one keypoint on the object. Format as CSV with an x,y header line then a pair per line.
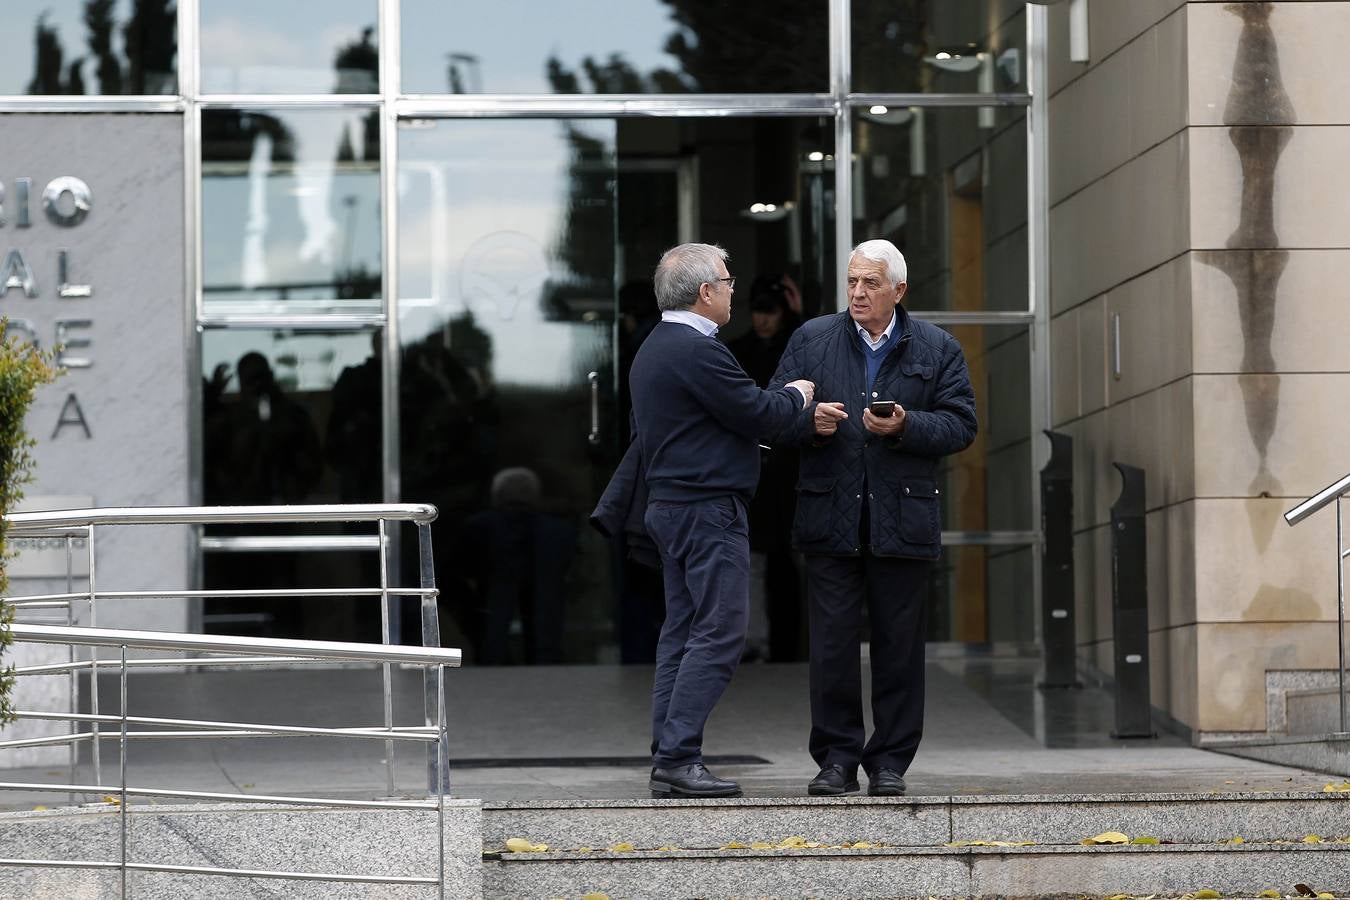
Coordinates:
x,y
1058,641
1129,595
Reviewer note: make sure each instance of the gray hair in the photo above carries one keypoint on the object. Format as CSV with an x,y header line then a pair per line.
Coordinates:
x,y
516,488
884,252
682,271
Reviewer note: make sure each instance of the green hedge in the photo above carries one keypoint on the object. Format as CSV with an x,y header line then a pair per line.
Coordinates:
x,y
22,369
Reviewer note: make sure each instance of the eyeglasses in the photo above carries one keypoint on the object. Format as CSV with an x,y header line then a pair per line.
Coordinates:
x,y
730,281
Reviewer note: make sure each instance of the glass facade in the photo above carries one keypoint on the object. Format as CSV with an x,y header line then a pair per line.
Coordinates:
x,y
262,47
616,47
424,236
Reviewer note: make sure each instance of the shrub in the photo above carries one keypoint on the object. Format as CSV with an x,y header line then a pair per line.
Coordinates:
x,y
22,369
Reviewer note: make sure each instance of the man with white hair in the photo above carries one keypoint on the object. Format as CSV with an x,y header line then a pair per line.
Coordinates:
x,y
893,398
698,419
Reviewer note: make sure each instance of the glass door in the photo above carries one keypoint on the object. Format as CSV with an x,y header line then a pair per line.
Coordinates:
x,y
507,313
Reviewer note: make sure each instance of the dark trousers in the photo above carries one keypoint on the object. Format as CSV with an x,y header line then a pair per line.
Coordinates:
x,y
705,558
894,591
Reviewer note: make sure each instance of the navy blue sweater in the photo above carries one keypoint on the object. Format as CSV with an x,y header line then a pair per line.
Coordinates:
x,y
699,417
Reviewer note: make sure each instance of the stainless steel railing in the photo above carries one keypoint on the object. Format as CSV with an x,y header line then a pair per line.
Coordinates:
x,y
234,649
1332,492
80,524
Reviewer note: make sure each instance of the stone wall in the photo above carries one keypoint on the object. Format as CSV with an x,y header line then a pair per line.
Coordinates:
x,y
1193,197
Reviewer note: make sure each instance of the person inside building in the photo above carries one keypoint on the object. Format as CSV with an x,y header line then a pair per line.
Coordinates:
x,y
775,594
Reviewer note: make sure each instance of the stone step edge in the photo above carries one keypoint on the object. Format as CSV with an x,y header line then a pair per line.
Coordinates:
x,y
490,806
832,852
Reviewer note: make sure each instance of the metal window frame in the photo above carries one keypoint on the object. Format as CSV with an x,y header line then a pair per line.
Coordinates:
x,y
838,102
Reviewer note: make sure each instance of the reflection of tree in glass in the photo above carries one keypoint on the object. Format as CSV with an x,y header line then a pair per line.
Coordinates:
x,y
229,135
151,45
98,18
48,61
150,41
585,242
358,65
732,46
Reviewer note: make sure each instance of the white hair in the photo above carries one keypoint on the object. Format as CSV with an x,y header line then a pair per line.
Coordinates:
x,y
884,252
682,271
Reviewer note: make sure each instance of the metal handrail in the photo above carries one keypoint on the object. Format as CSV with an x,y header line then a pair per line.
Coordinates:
x,y
432,658
221,643
71,524
1332,492
24,522
1317,501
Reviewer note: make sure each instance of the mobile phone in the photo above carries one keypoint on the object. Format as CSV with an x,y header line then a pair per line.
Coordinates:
x,y
882,409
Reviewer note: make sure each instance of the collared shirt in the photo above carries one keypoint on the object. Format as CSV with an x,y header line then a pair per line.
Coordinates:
x,y
692,319
709,327
885,335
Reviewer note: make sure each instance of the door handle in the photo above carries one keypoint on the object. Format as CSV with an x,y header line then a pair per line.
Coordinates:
x,y
594,438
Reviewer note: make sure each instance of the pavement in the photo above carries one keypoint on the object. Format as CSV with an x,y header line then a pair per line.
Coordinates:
x,y
581,732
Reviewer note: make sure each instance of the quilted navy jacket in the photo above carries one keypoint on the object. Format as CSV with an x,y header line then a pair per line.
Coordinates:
x,y
926,374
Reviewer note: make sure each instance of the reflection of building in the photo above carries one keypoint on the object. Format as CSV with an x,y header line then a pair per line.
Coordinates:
x,y
1128,275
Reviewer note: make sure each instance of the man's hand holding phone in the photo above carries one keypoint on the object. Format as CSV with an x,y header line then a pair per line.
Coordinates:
x,y
884,417
828,416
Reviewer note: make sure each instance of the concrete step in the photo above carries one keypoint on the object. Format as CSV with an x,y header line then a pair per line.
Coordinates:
x,y
1232,870
910,822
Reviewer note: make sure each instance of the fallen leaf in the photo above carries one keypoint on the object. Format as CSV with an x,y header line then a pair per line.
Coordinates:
x,y
39,808
595,895
1271,894
1312,839
1237,839
1206,894
622,847
865,845
1325,895
1107,837
667,849
730,845
109,798
1121,897
1011,844
1143,839
794,842
970,844
1336,786
760,845
520,845
584,850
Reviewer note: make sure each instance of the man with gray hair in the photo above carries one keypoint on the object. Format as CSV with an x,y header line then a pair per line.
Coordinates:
x,y
698,419
895,398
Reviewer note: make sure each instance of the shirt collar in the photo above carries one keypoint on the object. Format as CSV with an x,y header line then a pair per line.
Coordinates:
x,y
885,335
702,323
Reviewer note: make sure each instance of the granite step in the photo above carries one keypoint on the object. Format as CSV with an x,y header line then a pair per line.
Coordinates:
x,y
973,872
918,822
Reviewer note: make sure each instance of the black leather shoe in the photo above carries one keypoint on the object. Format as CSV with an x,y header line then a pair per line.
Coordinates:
x,y
885,783
693,780
831,782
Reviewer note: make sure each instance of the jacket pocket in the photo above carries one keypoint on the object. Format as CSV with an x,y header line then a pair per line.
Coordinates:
x,y
815,508
919,522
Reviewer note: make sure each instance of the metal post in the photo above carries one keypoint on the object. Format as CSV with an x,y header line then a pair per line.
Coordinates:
x,y
1340,609
1058,641
431,637
93,662
385,634
123,766
1129,595
442,768
73,682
